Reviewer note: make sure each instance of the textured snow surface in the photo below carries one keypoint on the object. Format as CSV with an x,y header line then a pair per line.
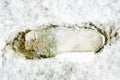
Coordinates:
x,y
17,15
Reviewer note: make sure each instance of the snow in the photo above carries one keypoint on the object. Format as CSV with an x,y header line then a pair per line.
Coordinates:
x,y
17,15
82,40
79,57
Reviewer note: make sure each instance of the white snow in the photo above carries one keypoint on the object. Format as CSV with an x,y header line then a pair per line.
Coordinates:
x,y
17,15
77,57
82,40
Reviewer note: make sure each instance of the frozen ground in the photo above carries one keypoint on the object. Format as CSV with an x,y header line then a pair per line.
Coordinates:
x,y
16,15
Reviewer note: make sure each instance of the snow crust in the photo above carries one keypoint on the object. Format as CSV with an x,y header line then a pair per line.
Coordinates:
x,y
17,15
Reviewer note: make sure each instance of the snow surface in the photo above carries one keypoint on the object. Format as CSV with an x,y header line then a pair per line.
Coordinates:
x,y
17,15
82,40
